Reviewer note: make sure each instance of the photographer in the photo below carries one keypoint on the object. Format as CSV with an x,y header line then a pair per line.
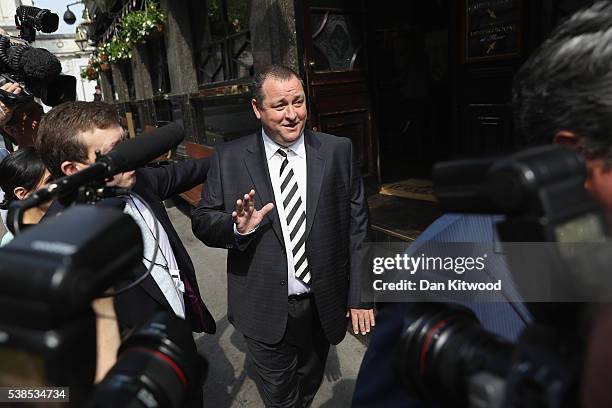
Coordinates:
x,y
561,94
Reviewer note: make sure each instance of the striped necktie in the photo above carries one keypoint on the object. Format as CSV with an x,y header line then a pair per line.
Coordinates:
x,y
296,218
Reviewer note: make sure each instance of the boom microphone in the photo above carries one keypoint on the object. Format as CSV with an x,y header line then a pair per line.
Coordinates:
x,y
137,152
35,63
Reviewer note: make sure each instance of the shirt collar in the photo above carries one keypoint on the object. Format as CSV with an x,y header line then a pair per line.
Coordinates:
x,y
272,147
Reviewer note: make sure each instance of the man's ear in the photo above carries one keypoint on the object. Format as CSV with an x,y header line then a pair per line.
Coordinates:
x,y
567,139
20,192
255,108
69,168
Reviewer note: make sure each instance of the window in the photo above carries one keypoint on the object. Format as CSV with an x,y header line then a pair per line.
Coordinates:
x,y
222,43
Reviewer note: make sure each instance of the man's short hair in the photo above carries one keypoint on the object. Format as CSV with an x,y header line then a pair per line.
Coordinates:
x,y
58,134
566,84
280,72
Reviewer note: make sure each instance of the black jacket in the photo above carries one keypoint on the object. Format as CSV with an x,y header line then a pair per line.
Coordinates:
x,y
154,185
336,227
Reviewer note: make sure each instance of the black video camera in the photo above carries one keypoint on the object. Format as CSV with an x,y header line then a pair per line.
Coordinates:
x,y
36,70
446,356
49,275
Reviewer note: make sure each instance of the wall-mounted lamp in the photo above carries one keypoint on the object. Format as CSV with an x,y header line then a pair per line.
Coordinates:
x,y
69,16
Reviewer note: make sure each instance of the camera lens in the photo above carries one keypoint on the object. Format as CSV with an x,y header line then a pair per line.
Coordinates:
x,y
157,366
442,348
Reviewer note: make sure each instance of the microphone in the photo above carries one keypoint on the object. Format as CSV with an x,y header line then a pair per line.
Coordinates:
x,y
38,71
128,155
41,19
35,63
137,152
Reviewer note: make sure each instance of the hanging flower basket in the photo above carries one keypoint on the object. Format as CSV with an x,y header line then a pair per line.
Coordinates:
x,y
133,28
139,25
157,32
89,73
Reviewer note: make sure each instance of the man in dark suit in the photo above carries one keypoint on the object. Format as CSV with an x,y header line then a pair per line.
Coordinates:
x,y
294,264
68,139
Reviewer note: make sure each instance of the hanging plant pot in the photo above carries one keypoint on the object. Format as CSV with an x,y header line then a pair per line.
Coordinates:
x,y
157,31
102,57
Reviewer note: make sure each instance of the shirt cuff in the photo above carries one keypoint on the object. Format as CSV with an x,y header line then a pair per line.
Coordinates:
x,y
246,234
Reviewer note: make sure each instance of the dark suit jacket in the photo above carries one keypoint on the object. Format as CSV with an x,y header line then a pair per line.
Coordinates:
x,y
336,227
155,184
503,314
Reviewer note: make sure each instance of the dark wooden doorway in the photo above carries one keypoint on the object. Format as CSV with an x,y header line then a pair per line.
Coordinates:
x,y
412,65
335,67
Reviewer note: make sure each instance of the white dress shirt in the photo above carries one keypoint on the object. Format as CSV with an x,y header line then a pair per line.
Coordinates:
x,y
168,280
297,159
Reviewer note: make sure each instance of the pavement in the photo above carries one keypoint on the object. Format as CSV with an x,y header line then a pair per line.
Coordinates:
x,y
229,384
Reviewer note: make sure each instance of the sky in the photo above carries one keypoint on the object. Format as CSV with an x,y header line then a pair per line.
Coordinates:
x,y
59,7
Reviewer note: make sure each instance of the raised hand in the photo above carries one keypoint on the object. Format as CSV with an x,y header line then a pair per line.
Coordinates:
x,y
245,216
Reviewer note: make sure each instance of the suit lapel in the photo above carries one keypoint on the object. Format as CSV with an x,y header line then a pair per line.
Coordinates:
x,y
257,166
315,168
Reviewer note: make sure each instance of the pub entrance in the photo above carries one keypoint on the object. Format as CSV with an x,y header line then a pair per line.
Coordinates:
x,y
410,76
417,82
379,72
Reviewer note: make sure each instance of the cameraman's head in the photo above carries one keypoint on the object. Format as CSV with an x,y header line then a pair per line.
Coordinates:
x,y
563,93
70,134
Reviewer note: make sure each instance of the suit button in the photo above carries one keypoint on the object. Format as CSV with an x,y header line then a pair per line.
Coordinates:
x,y
282,282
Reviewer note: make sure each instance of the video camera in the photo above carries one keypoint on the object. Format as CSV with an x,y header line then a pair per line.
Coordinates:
x,y
49,275
37,71
445,356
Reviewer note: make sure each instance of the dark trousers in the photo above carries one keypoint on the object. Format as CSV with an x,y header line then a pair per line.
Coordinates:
x,y
289,373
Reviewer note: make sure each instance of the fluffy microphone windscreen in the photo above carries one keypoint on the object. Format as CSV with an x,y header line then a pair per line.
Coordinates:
x,y
37,63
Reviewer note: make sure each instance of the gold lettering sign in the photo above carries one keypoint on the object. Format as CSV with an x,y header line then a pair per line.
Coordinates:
x,y
492,29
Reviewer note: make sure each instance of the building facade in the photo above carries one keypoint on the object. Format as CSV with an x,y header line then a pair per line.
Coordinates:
x,y
411,83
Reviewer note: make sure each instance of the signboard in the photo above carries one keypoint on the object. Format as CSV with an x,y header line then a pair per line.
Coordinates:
x,y
493,28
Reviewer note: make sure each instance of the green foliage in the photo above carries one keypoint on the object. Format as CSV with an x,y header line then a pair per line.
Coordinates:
x,y
136,26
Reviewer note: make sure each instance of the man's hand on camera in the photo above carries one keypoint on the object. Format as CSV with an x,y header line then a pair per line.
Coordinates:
x,y
6,112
